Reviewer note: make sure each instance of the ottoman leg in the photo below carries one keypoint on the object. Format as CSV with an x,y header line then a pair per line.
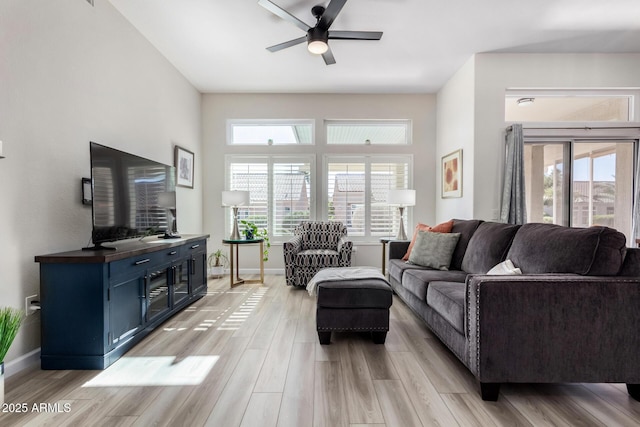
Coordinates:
x,y
379,336
324,337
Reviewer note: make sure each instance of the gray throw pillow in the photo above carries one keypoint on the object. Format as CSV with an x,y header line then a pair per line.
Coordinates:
x,y
434,250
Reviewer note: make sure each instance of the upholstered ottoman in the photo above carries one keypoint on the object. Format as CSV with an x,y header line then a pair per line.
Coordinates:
x,y
351,299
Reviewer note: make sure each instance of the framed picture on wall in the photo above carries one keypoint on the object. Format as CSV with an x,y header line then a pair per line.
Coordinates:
x,y
452,175
184,163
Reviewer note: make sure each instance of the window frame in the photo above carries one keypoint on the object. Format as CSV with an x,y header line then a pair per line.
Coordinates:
x,y
408,125
268,122
567,138
270,161
367,160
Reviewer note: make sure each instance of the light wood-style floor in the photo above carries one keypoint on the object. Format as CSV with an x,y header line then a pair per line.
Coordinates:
x,y
249,356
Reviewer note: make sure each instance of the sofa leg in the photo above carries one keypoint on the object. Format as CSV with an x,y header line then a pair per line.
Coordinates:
x,y
324,337
489,391
634,391
379,337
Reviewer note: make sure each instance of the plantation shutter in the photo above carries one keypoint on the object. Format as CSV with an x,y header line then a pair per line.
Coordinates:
x,y
291,196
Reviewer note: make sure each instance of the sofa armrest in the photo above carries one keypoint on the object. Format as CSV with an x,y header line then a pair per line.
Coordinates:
x,y
397,248
553,328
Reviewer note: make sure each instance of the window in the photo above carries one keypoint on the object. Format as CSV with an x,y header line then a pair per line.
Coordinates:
x,y
357,190
368,132
580,182
270,132
280,189
569,106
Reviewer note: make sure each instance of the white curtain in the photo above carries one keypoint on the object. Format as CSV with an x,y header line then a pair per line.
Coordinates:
x,y
513,209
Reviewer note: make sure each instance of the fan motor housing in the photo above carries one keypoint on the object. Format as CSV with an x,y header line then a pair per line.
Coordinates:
x,y
317,34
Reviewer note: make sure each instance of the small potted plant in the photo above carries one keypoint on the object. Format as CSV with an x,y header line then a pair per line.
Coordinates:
x,y
10,319
251,231
217,261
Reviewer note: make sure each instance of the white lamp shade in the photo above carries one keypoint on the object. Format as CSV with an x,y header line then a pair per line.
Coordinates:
x,y
235,198
402,197
167,199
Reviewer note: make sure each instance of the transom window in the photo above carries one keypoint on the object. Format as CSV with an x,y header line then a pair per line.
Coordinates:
x,y
270,132
368,132
569,106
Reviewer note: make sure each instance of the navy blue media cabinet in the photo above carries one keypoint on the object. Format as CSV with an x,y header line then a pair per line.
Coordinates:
x,y
96,305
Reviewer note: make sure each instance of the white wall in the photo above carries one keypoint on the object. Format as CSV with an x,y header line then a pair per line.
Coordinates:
x,y
71,73
217,108
455,130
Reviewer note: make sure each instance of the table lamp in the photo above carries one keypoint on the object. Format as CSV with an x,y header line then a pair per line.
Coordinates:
x,y
234,199
401,198
167,200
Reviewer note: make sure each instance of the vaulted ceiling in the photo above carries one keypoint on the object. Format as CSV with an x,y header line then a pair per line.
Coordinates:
x,y
220,45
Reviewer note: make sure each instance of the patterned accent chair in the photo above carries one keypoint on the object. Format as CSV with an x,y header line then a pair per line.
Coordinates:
x,y
315,245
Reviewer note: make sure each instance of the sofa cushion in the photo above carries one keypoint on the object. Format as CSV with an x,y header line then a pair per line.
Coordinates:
x,y
548,248
488,246
466,228
397,267
417,281
434,249
447,299
445,227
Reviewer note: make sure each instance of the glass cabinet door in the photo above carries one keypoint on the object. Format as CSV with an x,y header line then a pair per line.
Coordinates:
x,y
180,282
157,293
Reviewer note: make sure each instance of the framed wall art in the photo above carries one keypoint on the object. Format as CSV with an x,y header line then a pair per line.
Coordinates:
x,y
184,163
452,175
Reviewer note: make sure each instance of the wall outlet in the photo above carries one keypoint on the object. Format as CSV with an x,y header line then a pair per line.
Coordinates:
x,y
29,306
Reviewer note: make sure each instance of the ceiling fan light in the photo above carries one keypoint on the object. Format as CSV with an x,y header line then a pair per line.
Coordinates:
x,y
317,47
525,102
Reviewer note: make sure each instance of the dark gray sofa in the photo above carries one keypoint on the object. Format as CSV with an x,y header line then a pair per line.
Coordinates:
x,y
572,316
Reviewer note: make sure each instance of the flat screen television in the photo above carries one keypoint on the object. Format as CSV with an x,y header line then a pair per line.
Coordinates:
x,y
131,196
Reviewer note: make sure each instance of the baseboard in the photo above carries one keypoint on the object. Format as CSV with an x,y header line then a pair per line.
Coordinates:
x,y
23,362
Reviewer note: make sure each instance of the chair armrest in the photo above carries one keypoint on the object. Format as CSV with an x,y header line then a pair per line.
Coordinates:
x,y
397,248
345,249
292,246
553,328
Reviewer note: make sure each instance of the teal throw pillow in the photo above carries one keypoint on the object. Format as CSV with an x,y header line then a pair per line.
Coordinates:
x,y
434,250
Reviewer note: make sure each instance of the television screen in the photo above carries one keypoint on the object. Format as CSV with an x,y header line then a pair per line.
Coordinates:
x,y
132,196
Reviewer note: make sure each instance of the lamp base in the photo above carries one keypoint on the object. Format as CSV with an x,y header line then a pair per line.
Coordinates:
x,y
401,233
235,234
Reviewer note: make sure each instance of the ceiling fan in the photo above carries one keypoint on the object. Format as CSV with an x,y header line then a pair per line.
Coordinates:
x,y
317,37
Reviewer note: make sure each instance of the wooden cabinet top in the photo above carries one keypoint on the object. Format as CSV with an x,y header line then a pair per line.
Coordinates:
x,y
124,249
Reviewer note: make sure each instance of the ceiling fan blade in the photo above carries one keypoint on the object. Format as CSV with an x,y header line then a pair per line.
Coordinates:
x,y
328,57
355,35
331,12
278,11
285,45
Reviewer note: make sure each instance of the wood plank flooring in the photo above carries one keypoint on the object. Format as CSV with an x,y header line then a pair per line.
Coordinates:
x,y
249,356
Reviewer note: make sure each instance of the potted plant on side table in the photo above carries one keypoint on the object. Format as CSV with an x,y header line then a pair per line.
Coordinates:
x,y
251,231
217,262
10,320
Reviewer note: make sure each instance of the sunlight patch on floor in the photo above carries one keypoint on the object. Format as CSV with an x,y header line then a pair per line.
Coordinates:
x,y
243,312
154,371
